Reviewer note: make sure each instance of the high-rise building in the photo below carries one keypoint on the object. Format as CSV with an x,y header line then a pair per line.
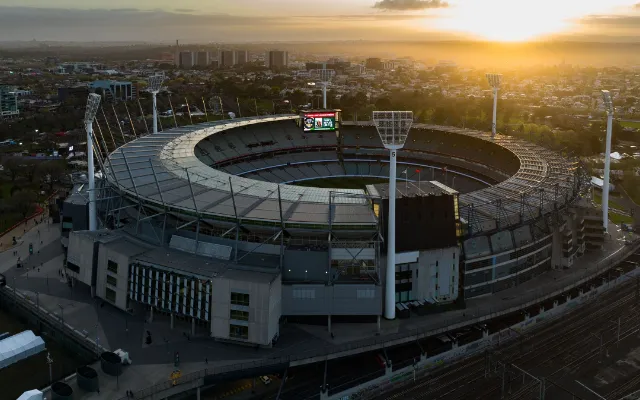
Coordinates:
x,y
114,90
187,59
8,102
203,59
374,63
277,59
226,58
242,57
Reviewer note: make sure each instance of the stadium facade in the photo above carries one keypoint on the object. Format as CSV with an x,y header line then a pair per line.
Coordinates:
x,y
203,223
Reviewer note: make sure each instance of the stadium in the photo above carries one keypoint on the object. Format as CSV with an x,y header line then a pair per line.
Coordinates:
x,y
221,224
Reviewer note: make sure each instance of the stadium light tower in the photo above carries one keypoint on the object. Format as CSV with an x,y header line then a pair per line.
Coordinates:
x,y
608,106
494,82
93,102
325,78
154,87
393,128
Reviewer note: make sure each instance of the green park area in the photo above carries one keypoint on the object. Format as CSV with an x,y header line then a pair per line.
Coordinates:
x,y
630,124
341,183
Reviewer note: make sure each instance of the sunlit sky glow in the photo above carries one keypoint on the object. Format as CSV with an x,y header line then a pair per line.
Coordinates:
x,y
284,20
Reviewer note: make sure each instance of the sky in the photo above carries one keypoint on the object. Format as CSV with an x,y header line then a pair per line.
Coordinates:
x,y
205,21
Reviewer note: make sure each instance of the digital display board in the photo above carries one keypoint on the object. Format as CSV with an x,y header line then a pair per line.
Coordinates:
x,y
319,121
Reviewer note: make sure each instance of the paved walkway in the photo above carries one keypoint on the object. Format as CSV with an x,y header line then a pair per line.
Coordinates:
x,y
115,329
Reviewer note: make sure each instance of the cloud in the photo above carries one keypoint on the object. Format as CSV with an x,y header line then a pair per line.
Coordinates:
x,y
103,25
409,5
184,10
617,20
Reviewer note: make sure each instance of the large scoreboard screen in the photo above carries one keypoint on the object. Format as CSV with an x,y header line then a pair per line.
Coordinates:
x,y
319,121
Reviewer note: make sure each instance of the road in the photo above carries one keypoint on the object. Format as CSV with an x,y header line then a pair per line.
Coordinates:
x,y
574,350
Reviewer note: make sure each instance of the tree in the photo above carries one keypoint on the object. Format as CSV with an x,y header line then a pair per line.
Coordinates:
x,y
51,172
12,168
22,202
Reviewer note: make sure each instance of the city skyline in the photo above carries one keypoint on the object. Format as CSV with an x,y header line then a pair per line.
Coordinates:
x,y
286,20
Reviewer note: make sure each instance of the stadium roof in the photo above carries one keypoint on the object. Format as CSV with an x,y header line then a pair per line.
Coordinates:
x,y
163,170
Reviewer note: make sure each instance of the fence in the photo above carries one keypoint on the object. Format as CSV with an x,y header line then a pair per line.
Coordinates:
x,y
9,295
337,351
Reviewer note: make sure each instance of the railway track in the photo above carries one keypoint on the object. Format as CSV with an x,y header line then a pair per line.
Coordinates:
x,y
560,341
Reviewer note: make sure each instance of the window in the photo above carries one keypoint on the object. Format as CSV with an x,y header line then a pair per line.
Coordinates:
x,y
239,332
112,266
239,315
240,299
365,293
110,295
73,267
304,293
112,281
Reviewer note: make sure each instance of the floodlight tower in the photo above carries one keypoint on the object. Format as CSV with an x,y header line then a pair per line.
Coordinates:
x,y
608,106
325,78
393,128
154,87
494,82
90,114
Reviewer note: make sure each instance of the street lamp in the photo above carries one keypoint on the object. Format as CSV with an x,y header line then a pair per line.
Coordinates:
x,y
90,114
494,82
393,128
608,106
154,83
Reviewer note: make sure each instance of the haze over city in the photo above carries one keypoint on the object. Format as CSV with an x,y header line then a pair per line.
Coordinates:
x,y
289,20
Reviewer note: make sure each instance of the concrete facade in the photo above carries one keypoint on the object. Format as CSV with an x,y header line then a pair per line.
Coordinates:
x,y
255,322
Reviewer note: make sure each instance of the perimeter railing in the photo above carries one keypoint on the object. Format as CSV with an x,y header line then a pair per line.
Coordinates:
x,y
337,351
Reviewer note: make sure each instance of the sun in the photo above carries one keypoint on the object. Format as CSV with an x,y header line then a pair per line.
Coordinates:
x,y
515,20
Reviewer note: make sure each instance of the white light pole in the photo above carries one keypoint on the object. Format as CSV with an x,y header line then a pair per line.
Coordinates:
x,y
155,81
494,82
92,108
608,106
325,78
393,128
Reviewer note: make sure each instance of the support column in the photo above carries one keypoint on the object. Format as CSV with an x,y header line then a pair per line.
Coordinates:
x,y
93,221
198,389
495,112
388,369
390,288
329,323
379,328
155,114
607,168
193,326
151,315
171,320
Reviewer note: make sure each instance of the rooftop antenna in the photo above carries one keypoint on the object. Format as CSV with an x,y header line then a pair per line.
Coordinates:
x,y
155,81
93,102
608,107
325,77
393,128
494,82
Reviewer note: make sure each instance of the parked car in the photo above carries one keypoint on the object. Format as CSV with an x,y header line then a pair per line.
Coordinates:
x,y
265,379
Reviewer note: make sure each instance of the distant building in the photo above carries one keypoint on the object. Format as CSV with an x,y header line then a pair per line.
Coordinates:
x,y
242,57
226,58
336,65
374,63
203,59
187,59
114,90
79,67
8,103
66,93
277,59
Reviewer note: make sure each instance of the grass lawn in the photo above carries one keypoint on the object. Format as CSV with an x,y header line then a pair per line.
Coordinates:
x,y
630,124
597,197
619,219
342,183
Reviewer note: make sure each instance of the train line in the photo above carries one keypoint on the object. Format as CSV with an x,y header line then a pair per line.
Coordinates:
x,y
563,341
